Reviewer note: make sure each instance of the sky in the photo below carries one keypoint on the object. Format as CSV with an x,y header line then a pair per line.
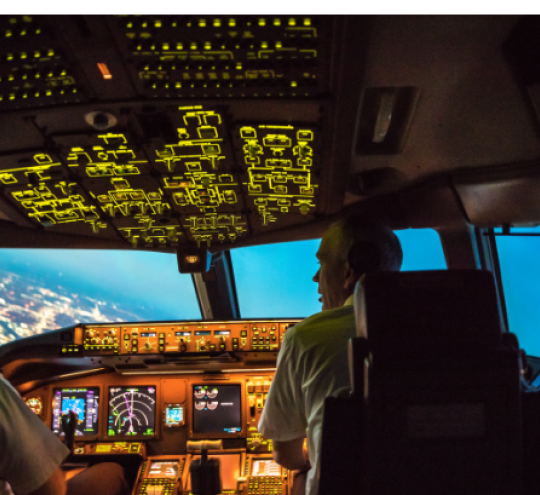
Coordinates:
x,y
520,270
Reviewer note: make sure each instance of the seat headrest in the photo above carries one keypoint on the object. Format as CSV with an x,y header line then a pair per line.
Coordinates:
x,y
414,313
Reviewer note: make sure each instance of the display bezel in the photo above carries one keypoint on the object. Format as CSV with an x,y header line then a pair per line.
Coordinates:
x,y
84,438
190,406
105,430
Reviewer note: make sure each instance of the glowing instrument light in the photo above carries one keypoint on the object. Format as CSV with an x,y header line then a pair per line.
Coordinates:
x,y
104,71
35,404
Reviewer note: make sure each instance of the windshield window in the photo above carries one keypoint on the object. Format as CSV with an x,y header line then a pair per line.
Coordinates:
x,y
275,280
42,289
519,259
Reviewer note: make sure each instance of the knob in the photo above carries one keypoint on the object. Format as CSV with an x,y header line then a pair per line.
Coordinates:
x,y
148,346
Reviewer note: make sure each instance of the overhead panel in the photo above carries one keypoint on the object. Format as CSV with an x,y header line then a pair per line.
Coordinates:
x,y
36,67
205,130
225,56
167,175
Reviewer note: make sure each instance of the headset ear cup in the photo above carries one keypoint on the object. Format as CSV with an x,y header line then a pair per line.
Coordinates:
x,y
364,257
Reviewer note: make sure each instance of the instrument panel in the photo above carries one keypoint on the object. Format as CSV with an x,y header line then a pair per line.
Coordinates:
x,y
198,405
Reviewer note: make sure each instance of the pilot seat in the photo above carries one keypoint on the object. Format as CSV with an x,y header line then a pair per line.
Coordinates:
x,y
435,400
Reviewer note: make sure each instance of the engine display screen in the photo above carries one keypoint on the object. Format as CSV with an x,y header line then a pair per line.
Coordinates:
x,y
132,411
84,402
163,469
265,467
217,409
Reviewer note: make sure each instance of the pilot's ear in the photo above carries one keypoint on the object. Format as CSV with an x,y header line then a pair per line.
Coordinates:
x,y
350,279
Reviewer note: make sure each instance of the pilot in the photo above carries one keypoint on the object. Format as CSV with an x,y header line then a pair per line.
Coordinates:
x,y
312,363
31,456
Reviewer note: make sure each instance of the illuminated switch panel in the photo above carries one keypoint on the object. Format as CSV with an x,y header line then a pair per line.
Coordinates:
x,y
195,142
144,340
34,66
102,340
225,56
264,476
265,337
257,388
161,475
41,186
114,448
215,228
279,163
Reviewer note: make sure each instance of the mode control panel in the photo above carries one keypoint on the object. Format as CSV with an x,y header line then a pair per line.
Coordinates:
x,y
265,337
186,337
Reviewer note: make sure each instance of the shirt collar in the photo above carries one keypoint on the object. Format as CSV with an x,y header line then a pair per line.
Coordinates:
x,y
349,301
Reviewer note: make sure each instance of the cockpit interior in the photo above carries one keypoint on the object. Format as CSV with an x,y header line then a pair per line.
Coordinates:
x,y
201,137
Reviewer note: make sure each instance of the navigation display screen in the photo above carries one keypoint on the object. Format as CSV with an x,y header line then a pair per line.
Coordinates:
x,y
132,411
217,409
84,402
265,467
163,469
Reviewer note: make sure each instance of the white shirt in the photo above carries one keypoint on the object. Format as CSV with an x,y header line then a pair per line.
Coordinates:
x,y
29,450
311,366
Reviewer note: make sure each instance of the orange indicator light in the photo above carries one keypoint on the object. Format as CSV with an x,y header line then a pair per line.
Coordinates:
x,y
104,71
192,259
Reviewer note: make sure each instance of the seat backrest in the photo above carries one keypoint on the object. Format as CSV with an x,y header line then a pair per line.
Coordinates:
x,y
441,413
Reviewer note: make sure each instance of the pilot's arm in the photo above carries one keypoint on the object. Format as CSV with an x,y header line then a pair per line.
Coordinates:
x,y
30,453
283,419
55,485
291,454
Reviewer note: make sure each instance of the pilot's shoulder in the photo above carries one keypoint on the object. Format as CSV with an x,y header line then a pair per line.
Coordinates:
x,y
324,323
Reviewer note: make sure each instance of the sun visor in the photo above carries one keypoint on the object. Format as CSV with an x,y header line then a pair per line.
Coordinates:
x,y
507,195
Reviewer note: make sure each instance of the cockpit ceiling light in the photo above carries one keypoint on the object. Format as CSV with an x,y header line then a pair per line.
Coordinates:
x,y
104,71
192,259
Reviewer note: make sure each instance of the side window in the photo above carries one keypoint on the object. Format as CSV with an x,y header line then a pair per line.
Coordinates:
x,y
422,250
519,259
275,280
